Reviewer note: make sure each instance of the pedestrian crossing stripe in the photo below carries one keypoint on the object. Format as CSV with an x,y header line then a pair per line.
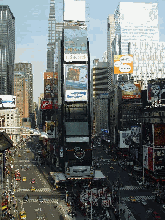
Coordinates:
x,y
44,200
138,198
36,190
131,187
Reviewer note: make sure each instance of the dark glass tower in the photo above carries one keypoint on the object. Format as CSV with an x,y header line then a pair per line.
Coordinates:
x,y
7,50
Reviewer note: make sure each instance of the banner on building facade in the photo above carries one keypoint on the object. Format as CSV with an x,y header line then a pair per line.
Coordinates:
x,y
125,139
74,10
50,85
123,64
7,101
136,134
50,129
145,157
76,82
150,158
159,135
75,44
131,91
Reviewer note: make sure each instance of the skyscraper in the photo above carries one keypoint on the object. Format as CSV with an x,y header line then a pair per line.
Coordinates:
x,y
51,38
7,50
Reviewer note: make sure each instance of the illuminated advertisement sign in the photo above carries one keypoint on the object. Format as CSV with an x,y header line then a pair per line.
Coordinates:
x,y
147,135
76,82
123,64
131,91
48,84
50,129
150,158
159,135
125,139
159,159
135,134
75,45
74,10
7,101
47,104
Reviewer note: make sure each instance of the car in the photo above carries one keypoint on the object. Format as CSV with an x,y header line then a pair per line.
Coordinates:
x,y
40,199
19,155
32,189
26,198
24,179
132,199
28,151
111,168
156,215
144,202
33,181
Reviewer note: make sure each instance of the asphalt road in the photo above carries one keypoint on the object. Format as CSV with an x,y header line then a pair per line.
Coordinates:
x,y
129,187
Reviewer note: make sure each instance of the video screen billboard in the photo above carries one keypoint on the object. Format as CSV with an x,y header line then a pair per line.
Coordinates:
x,y
131,91
75,44
50,85
123,64
74,10
47,104
75,82
156,90
7,101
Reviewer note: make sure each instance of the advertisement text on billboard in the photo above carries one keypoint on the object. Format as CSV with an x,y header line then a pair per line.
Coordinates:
x,y
50,84
159,135
135,134
150,158
48,104
50,129
125,139
131,91
76,82
123,64
7,101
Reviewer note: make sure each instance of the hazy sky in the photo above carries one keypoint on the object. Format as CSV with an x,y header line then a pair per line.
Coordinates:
x,y
31,22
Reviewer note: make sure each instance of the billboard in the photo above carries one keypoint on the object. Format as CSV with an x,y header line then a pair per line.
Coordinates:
x,y
76,82
7,101
135,134
47,104
74,10
50,129
125,139
75,44
131,91
159,159
123,64
159,135
156,90
50,85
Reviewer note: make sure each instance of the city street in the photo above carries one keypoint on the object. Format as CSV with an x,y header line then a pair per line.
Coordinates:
x,y
128,187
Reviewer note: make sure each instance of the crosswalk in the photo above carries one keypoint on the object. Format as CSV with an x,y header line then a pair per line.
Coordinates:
x,y
138,198
44,200
36,190
131,188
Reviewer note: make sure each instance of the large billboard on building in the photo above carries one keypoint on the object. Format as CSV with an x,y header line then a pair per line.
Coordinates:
x,y
156,90
47,104
131,91
7,101
159,135
123,64
125,139
75,44
50,129
76,82
74,10
48,85
147,134
135,134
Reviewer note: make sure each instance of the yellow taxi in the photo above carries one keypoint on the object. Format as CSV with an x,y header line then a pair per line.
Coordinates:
x,y
132,199
32,188
24,179
28,151
22,215
19,155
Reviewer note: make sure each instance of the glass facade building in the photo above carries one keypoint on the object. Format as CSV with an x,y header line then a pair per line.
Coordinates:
x,y
7,50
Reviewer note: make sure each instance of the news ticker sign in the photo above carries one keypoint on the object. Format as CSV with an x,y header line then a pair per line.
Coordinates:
x,y
123,64
48,104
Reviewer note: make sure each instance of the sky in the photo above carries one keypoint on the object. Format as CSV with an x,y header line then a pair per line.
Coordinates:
x,y
31,31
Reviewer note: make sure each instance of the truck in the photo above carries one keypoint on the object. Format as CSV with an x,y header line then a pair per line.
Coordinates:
x,y
59,179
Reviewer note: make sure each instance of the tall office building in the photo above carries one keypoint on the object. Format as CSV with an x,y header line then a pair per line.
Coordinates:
x,y
23,89
7,50
139,37
51,38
